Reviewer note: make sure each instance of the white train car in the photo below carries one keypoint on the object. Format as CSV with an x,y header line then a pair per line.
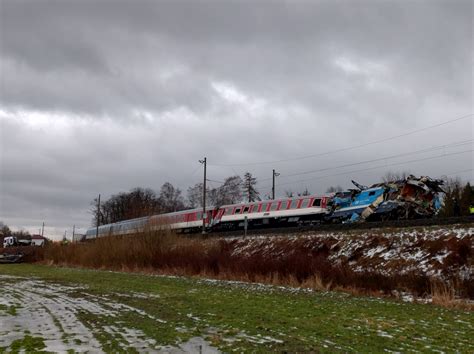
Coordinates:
x,y
182,221
268,213
279,212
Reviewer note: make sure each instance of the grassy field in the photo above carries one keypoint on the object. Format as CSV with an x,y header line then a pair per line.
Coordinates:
x,y
229,316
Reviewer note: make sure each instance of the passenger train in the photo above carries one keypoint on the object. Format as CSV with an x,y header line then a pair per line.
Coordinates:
x,y
409,198
268,213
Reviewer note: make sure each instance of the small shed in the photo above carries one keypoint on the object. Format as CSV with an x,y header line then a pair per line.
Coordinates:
x,y
37,240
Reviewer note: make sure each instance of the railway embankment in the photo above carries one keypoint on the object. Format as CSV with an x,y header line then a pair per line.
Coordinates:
x,y
416,259
430,262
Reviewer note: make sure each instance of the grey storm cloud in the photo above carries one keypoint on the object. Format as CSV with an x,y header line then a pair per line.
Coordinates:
x,y
102,96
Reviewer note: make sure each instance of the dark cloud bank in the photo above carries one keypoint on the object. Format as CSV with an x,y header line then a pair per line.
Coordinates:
x,y
101,96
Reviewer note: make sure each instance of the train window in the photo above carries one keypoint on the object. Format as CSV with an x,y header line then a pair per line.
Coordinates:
x,y
199,215
274,206
264,207
372,193
293,204
237,210
246,209
255,208
317,202
228,211
305,203
284,205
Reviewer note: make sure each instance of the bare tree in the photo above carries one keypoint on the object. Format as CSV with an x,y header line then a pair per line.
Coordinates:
x,y
194,196
334,189
229,192
304,193
452,198
134,204
170,198
4,230
289,193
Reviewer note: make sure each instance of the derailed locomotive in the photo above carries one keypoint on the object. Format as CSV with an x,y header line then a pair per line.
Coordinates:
x,y
403,199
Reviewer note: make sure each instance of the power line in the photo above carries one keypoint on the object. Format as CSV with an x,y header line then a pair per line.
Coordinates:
x,y
350,147
267,190
439,147
211,180
456,173
375,167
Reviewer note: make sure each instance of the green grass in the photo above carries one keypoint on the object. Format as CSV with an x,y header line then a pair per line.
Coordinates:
x,y
239,317
11,310
27,344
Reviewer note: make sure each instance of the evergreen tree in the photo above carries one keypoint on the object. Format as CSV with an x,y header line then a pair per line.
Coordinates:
x,y
249,187
466,199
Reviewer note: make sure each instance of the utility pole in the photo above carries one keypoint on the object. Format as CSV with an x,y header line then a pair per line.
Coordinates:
x,y
73,232
98,218
42,230
204,162
275,174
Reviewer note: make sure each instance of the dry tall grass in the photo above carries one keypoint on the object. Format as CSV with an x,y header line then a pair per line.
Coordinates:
x,y
167,253
444,294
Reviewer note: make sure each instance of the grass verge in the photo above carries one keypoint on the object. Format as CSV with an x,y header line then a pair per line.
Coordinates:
x,y
252,317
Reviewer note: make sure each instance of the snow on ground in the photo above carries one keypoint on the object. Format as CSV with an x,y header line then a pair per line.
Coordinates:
x,y
51,311
430,251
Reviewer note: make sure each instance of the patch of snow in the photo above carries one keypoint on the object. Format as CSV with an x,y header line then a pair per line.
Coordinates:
x,y
381,333
50,311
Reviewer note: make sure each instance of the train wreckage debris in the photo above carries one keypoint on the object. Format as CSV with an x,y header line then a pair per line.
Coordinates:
x,y
409,198
11,258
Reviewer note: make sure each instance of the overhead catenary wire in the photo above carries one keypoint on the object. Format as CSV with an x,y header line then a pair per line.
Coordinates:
x,y
349,147
456,173
212,180
385,158
374,168
266,190
439,147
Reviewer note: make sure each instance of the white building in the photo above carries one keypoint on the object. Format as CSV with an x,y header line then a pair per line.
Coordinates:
x,y
37,240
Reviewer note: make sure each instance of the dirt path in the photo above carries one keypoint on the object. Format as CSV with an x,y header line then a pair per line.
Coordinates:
x,y
42,314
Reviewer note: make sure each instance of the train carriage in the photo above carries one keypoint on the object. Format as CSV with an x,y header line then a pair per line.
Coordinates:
x,y
278,212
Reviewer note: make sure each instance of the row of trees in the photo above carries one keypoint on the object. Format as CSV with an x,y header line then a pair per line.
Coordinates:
x,y
458,198
137,203
5,231
144,201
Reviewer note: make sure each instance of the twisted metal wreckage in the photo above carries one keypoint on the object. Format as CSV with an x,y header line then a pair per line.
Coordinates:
x,y
408,198
11,258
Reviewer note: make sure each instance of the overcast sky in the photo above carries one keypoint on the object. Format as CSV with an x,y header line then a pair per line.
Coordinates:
x,y
103,96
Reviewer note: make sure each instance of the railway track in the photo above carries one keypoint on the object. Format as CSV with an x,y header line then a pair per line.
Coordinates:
x,y
348,227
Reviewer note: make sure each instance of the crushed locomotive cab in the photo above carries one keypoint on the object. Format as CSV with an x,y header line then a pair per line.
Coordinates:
x,y
410,198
